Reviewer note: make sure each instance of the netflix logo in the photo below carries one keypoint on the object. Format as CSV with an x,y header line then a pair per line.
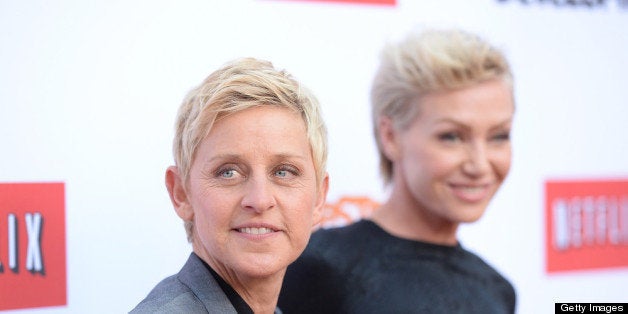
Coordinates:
x,y
586,224
369,2
32,245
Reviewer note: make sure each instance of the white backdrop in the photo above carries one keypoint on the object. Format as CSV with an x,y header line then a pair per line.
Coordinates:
x,y
89,91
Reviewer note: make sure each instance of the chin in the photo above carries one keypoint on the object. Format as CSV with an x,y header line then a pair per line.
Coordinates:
x,y
470,215
263,267
473,219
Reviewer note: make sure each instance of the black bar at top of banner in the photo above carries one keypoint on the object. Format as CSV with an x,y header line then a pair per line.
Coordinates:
x,y
591,308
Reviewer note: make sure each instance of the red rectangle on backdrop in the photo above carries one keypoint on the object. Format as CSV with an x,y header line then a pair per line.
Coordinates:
x,y
32,245
586,224
373,2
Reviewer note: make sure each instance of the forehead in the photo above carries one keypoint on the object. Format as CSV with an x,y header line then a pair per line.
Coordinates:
x,y
258,128
484,102
259,118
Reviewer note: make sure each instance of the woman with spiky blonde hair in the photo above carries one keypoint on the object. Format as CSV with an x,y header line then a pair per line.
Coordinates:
x,y
442,107
249,183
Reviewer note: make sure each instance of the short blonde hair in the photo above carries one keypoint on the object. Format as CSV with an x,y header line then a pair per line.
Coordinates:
x,y
239,85
426,62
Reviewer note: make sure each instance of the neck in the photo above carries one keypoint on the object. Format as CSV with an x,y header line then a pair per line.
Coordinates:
x,y
261,294
402,216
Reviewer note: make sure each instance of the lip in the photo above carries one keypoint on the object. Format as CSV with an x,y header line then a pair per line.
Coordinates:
x,y
471,193
256,230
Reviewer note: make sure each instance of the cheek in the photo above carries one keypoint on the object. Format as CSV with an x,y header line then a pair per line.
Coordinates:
x,y
431,164
299,208
502,163
504,168
506,160
213,209
298,213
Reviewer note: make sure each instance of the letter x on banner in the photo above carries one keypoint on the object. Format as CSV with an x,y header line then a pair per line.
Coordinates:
x,y
32,245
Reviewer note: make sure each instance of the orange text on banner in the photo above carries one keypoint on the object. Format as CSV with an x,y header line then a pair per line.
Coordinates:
x,y
347,210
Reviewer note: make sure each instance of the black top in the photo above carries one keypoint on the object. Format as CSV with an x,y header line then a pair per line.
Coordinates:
x,y
236,300
361,268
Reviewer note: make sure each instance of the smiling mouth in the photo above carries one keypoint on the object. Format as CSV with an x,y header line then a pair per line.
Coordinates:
x,y
255,230
471,193
471,189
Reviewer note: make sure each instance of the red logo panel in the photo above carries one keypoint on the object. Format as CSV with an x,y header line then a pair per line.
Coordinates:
x,y
32,245
586,224
373,2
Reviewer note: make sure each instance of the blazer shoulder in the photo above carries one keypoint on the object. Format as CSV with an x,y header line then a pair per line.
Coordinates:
x,y
192,290
170,296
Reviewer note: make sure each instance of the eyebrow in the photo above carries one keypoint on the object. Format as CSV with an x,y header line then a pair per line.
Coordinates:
x,y
237,157
281,156
465,126
222,156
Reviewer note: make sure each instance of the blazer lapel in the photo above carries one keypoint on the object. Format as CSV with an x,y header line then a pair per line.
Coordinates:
x,y
195,275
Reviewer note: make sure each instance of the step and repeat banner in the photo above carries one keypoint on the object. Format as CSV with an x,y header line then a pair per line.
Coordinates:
x,y
89,91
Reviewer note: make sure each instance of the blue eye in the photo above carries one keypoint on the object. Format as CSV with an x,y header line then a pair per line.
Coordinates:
x,y
449,137
227,173
502,137
286,171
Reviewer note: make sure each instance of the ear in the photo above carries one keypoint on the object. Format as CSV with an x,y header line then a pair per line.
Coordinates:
x,y
178,194
320,202
388,137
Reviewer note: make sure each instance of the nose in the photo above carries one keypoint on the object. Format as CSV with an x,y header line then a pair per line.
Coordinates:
x,y
477,162
258,195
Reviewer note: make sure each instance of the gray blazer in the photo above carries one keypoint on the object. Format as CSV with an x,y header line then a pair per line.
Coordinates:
x,y
192,290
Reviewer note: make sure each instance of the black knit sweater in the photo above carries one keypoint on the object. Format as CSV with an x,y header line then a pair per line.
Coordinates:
x,y
363,269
